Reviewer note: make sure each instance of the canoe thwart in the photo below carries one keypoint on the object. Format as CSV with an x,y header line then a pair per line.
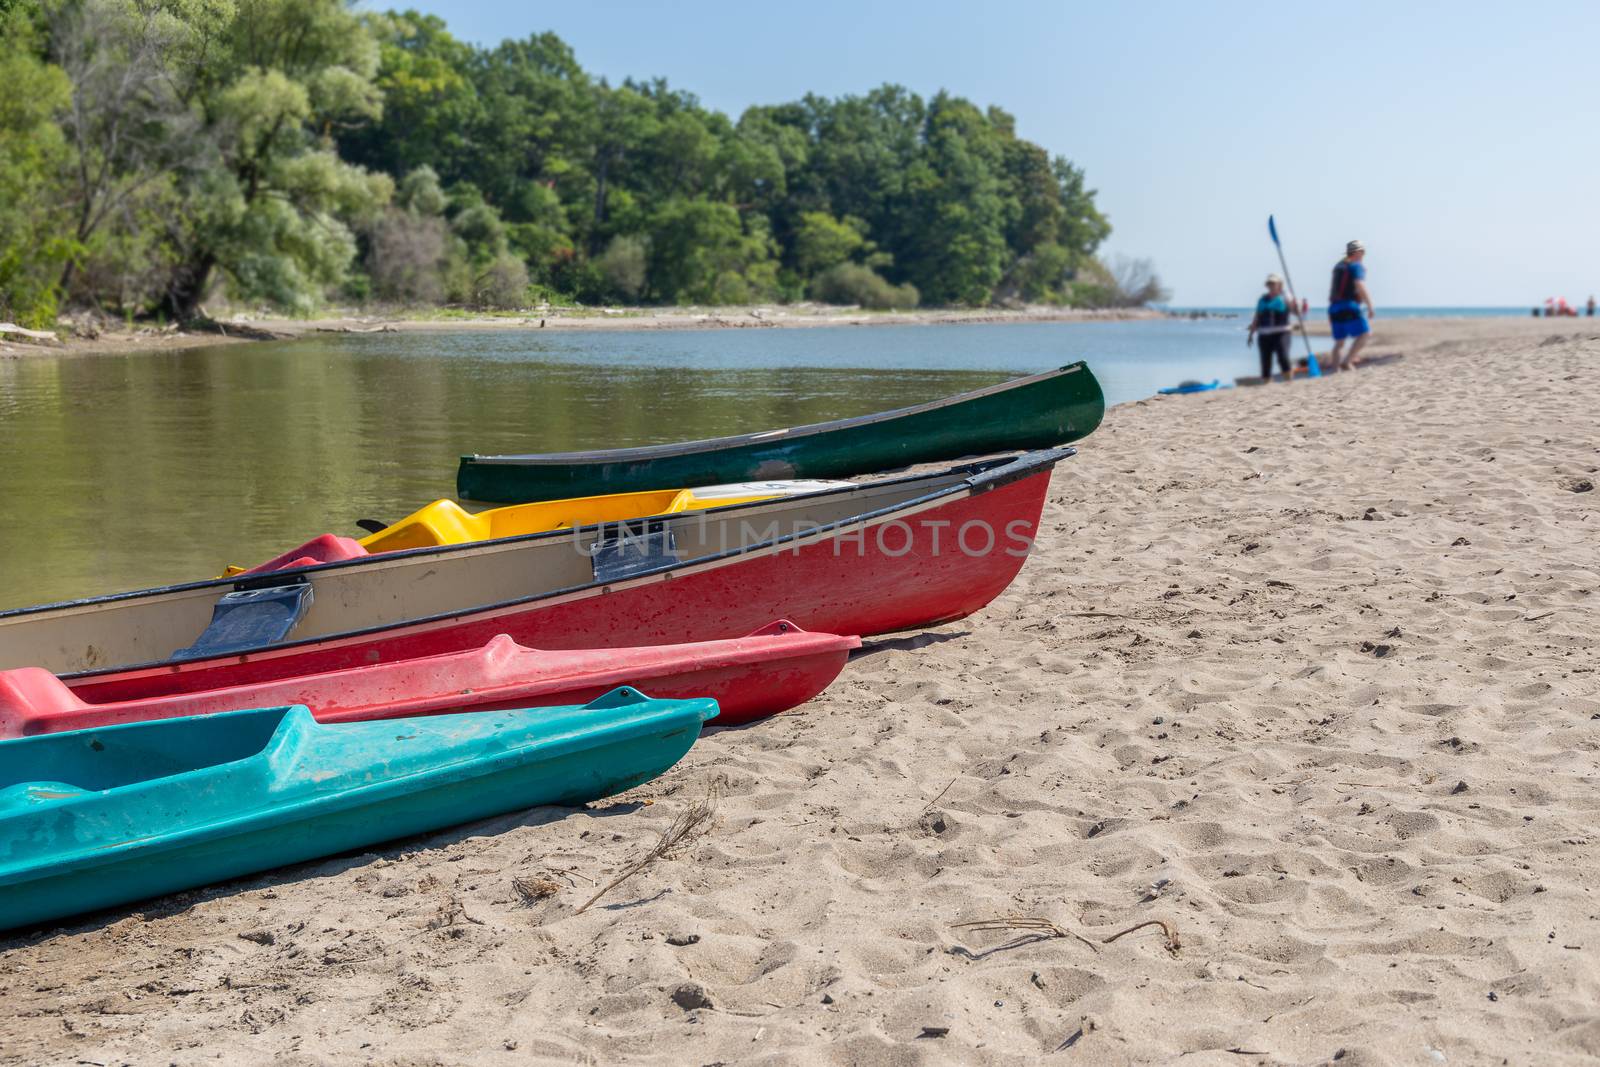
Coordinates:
x,y
250,618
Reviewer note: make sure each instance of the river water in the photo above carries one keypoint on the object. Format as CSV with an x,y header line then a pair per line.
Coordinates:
x,y
120,472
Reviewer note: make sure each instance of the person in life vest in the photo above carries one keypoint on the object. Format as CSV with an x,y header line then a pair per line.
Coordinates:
x,y
1270,328
1346,299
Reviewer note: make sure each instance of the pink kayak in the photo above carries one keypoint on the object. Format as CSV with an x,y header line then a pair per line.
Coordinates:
x,y
771,670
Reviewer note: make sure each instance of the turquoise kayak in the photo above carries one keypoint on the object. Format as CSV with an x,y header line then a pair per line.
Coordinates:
x,y
1190,387
95,818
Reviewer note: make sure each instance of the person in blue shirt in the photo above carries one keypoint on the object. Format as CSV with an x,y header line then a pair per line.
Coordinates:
x,y
1346,300
1270,328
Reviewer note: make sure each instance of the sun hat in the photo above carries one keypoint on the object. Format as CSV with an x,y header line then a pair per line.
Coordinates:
x,y
1274,278
1353,247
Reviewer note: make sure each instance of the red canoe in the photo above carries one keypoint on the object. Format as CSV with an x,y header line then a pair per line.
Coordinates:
x,y
774,669
870,558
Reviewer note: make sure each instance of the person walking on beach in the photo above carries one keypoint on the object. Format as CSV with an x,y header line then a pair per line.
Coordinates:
x,y
1346,299
1270,328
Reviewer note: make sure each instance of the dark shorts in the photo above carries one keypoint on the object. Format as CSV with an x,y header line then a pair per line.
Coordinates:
x,y
1274,344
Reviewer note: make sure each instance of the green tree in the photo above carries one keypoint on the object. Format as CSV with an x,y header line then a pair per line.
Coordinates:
x,y
621,121
431,109
128,123
1081,228
700,252
958,252
258,142
33,155
534,100
272,204
822,241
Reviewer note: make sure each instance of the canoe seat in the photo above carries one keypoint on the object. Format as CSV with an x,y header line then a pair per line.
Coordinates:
x,y
248,619
632,552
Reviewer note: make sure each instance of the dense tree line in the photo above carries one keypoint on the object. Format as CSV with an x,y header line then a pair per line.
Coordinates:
x,y
287,152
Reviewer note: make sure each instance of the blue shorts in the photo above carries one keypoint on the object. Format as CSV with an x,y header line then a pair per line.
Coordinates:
x,y
1347,322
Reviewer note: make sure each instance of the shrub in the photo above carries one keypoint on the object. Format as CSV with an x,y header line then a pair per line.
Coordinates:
x,y
503,284
852,283
1124,283
406,257
624,265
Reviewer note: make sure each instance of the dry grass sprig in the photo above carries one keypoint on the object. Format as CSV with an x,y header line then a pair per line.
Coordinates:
x,y
938,798
1173,943
692,822
1044,928
1025,924
532,890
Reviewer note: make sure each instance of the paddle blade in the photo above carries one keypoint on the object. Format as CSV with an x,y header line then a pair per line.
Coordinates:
x,y
1272,228
1311,364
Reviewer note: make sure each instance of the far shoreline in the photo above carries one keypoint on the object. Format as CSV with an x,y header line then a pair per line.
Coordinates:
x,y
242,327
269,327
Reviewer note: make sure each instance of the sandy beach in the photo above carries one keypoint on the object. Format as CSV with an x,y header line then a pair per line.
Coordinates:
x,y
1304,672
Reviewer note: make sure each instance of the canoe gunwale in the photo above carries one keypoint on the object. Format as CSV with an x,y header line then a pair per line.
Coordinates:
x,y
541,749
241,582
985,475
718,444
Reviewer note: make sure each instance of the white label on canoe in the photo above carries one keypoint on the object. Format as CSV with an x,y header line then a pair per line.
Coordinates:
x,y
775,488
769,433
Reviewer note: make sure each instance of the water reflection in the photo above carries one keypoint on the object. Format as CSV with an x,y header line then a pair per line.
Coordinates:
x,y
121,473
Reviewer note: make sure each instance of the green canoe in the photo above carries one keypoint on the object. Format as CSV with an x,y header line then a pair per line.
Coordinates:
x,y
94,818
1036,412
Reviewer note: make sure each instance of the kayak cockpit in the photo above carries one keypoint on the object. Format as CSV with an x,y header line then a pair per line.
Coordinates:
x,y
116,757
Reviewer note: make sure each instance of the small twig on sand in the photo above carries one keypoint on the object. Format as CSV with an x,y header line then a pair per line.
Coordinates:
x,y
1173,943
1047,929
1026,924
1093,615
936,799
694,821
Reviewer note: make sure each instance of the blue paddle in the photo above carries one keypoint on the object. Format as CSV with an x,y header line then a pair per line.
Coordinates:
x,y
1311,357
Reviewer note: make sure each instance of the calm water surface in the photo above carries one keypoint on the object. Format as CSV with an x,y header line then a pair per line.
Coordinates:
x,y
119,472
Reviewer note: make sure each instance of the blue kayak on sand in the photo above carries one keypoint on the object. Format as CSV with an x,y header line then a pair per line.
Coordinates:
x,y
1191,387
100,817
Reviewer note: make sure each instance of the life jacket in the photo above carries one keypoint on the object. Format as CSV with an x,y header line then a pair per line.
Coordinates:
x,y
1344,283
1267,315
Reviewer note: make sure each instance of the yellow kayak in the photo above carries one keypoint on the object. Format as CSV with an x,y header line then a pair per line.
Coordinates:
x,y
444,522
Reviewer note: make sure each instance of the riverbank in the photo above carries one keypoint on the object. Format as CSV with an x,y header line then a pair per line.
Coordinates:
x,y
238,328
1304,671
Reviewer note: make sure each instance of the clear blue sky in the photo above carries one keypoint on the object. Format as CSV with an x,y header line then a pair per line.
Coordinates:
x,y
1458,140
